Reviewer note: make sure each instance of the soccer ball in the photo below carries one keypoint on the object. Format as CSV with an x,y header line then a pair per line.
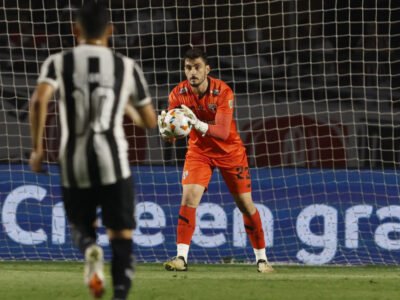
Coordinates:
x,y
177,125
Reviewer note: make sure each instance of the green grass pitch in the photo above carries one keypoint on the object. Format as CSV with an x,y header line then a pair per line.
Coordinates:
x,y
63,281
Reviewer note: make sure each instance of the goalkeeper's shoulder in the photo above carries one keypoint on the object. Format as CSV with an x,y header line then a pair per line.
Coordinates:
x,y
180,90
219,86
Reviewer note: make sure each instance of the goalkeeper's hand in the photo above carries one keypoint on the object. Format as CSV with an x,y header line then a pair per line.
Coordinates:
x,y
162,127
197,124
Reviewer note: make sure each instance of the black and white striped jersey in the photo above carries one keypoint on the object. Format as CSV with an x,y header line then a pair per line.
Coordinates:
x,y
95,85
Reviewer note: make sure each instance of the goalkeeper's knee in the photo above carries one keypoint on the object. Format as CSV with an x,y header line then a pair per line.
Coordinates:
x,y
83,237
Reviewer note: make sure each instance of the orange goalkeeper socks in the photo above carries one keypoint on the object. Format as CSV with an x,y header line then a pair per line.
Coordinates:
x,y
186,224
254,230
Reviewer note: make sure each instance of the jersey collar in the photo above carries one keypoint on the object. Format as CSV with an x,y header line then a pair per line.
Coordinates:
x,y
205,93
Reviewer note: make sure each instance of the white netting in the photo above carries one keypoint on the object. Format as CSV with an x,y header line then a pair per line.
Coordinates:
x,y
317,105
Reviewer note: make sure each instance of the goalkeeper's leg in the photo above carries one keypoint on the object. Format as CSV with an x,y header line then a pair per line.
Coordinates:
x,y
254,230
191,197
185,230
253,227
239,184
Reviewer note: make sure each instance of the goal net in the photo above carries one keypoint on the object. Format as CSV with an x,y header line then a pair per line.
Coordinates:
x,y
317,105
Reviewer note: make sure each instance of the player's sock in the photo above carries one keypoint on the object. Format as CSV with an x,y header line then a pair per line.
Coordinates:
x,y
254,230
185,229
82,237
121,267
260,254
182,250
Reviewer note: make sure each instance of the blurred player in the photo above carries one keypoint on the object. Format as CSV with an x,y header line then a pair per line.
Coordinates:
x,y
214,143
95,87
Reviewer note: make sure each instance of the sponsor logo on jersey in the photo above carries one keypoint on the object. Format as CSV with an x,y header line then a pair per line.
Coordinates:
x,y
230,102
212,107
215,92
183,90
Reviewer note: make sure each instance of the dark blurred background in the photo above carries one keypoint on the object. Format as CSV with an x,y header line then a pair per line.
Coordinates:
x,y
249,42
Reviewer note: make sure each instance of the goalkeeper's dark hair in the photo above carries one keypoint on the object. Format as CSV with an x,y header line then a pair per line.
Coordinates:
x,y
94,18
194,53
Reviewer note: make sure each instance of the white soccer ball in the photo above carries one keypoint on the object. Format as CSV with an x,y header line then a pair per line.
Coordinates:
x,y
177,125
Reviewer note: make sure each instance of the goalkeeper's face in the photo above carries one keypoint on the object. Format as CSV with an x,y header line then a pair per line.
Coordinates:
x,y
196,71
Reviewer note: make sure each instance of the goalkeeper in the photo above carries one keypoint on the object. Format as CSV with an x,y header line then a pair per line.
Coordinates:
x,y
215,143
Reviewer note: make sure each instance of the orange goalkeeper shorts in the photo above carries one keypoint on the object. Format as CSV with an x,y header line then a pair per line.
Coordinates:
x,y
234,169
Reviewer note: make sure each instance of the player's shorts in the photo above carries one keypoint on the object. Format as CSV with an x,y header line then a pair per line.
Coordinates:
x,y
234,169
115,200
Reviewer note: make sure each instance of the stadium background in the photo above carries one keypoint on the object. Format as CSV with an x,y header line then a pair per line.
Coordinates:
x,y
317,106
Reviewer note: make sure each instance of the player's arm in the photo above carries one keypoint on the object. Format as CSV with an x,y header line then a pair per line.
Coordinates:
x,y
45,89
134,115
147,115
140,100
222,126
223,118
37,117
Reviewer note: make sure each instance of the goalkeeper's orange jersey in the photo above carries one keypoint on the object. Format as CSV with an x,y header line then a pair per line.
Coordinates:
x,y
218,99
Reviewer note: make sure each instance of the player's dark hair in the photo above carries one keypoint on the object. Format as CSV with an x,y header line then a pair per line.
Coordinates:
x,y
94,18
194,53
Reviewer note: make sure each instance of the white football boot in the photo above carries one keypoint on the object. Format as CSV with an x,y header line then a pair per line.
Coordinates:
x,y
176,263
93,272
263,266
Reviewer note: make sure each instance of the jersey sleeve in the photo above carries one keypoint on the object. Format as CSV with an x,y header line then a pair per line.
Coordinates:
x,y
48,72
140,95
225,102
173,100
223,117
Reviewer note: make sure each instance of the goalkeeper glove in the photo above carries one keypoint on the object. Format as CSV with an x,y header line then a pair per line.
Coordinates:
x,y
162,127
197,124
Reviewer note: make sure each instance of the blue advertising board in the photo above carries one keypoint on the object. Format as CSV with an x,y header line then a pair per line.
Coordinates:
x,y
310,216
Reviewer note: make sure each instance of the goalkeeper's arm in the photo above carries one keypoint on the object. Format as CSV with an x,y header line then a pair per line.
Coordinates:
x,y
221,128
